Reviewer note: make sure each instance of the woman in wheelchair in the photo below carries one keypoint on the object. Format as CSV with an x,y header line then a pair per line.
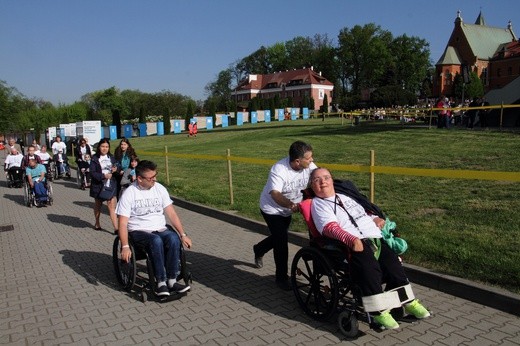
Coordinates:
x,y
371,261
36,179
142,212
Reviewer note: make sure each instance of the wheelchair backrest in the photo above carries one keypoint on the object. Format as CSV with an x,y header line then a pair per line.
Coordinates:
x,y
305,209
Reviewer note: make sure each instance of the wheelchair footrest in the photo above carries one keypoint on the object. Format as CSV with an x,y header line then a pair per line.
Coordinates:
x,y
388,300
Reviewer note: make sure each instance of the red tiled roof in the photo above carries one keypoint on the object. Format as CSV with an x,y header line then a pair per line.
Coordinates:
x,y
306,76
509,50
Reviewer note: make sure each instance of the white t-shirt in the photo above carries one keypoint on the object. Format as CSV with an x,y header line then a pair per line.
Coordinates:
x,y
322,211
45,157
13,160
144,208
106,164
57,146
286,180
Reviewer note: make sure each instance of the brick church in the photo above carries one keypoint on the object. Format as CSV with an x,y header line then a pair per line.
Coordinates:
x,y
492,52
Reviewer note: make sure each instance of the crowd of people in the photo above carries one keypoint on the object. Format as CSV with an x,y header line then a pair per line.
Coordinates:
x,y
477,114
139,208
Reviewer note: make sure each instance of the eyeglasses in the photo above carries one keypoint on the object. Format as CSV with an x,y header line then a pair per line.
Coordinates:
x,y
320,179
152,178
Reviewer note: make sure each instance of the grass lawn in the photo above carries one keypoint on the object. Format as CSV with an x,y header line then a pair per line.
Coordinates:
x,y
466,228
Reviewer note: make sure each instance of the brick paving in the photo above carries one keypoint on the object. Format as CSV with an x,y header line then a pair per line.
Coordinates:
x,y
58,287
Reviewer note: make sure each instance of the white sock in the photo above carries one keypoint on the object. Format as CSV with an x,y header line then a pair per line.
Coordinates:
x,y
171,282
160,284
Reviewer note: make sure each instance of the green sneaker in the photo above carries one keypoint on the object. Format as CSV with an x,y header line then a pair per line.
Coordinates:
x,y
386,320
415,308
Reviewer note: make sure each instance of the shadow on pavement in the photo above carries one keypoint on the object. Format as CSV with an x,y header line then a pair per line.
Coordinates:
x,y
18,199
228,278
68,220
96,268
225,276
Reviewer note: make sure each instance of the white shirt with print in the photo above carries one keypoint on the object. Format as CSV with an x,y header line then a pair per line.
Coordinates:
x,y
326,210
286,180
144,208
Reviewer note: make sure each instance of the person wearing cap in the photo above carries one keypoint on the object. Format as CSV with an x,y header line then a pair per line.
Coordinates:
x,y
36,178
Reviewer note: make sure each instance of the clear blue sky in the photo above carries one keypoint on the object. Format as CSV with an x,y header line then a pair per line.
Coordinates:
x,y
59,50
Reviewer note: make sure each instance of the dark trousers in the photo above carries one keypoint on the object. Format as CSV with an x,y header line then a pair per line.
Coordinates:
x,y
277,241
369,273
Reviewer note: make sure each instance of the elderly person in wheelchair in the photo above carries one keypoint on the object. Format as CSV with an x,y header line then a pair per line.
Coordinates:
x,y
13,168
371,260
142,209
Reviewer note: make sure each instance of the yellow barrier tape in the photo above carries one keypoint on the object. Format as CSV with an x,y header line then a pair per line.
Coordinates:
x,y
419,172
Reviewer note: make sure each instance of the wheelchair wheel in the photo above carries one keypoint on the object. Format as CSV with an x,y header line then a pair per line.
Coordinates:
x,y
51,172
79,179
27,195
54,171
314,283
50,198
348,323
125,272
185,274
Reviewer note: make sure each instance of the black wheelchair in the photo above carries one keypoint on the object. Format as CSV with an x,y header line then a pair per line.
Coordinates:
x,y
50,166
30,198
15,177
322,285
138,279
82,178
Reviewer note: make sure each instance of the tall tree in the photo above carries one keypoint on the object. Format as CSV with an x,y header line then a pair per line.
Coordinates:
x,y
410,62
363,56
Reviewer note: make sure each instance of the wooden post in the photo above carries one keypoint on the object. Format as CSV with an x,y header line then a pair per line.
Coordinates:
x,y
166,165
372,174
431,112
230,177
501,115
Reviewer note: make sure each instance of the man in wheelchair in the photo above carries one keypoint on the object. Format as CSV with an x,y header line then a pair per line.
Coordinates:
x,y
36,179
342,218
142,211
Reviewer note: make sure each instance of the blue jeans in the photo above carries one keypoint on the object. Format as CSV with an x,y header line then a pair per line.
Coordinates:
x,y
163,249
40,192
62,168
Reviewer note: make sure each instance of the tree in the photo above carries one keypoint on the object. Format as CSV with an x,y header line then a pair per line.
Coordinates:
x,y
325,106
363,55
257,62
166,121
299,52
409,62
475,88
392,95
219,91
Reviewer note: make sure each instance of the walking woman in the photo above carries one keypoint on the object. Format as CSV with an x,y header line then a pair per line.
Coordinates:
x,y
123,155
103,171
